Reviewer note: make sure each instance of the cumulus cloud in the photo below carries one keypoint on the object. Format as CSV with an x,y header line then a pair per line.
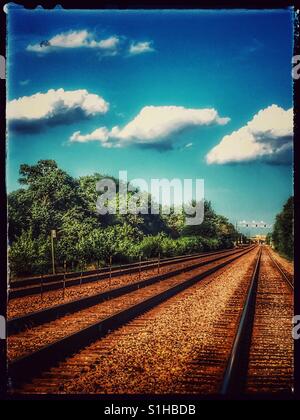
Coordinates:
x,y
153,127
100,134
154,123
55,107
140,48
111,46
74,39
106,44
267,137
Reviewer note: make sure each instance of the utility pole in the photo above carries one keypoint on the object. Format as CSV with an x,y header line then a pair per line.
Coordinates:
x,y
53,235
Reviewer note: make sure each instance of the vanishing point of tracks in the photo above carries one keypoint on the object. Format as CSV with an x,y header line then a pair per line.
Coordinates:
x,y
171,334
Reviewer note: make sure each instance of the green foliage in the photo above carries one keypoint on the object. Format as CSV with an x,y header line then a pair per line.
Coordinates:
x,y
19,203
213,226
283,233
52,199
28,255
150,246
174,222
268,238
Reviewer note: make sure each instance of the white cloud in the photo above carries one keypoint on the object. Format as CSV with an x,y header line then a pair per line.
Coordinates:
x,y
140,48
158,122
109,43
110,46
153,126
74,39
32,113
268,137
100,134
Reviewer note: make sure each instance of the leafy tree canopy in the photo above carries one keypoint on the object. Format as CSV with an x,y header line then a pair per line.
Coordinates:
x,y
52,199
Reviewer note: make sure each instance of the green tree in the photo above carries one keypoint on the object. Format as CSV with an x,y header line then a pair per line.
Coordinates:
x,y
283,233
52,199
28,255
19,203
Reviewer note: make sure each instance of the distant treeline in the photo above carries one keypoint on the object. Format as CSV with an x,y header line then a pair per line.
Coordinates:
x,y
52,199
283,232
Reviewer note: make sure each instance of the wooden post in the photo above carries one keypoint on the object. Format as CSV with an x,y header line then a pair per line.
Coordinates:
x,y
158,263
53,235
42,286
140,267
64,285
81,274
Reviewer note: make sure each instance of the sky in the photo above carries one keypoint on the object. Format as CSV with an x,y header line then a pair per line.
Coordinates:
x,y
161,94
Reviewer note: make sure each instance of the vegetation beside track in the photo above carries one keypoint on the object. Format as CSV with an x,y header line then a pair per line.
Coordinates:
x,y
283,232
52,199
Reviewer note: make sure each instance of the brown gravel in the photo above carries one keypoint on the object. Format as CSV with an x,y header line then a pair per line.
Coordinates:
x,y
180,346
271,352
25,305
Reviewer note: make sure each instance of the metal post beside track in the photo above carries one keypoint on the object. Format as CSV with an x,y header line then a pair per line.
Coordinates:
x,y
158,263
140,261
42,286
110,262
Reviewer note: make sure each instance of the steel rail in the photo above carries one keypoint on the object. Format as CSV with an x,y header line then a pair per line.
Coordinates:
x,y
42,316
280,269
52,278
28,366
234,378
73,281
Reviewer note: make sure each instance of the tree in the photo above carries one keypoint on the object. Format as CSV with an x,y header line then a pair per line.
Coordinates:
x,y
283,233
268,238
28,255
208,228
52,199
19,203
215,227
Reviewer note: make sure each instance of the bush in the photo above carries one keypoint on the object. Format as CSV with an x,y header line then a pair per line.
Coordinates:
x,y
150,246
30,256
211,244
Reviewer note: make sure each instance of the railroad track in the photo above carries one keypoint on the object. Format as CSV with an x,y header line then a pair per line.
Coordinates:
x,y
44,346
261,359
286,276
271,352
41,284
28,320
236,350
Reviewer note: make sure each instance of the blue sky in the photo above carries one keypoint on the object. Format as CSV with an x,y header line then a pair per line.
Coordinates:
x,y
234,63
